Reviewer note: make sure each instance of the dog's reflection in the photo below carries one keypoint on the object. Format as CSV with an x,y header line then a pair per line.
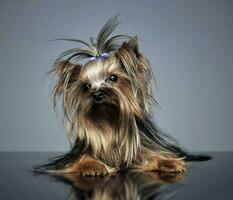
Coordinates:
x,y
123,186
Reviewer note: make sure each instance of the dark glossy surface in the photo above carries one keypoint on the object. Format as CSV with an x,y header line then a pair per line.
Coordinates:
x,y
203,180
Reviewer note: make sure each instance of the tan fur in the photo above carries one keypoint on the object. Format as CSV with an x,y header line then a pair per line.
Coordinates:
x,y
88,165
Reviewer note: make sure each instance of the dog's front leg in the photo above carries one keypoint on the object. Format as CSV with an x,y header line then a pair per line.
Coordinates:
x,y
89,166
156,162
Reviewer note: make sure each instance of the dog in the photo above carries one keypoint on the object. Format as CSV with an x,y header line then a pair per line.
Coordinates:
x,y
105,88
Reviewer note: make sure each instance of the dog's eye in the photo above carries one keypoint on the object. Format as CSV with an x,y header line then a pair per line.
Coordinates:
x,y
86,86
113,78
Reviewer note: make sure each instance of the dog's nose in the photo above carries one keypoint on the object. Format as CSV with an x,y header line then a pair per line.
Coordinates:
x,y
98,96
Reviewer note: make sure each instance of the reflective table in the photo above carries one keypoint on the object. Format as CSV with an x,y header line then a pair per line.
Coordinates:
x,y
203,180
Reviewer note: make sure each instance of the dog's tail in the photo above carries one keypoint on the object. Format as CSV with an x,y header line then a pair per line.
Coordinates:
x,y
198,157
149,128
59,163
56,164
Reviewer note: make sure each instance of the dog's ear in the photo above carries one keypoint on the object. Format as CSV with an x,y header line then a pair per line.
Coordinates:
x,y
133,45
66,70
67,73
138,70
62,68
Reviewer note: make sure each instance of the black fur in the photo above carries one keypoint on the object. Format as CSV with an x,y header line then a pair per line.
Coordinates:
x,y
148,127
60,162
145,126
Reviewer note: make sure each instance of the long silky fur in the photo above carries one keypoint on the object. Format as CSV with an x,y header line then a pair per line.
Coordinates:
x,y
134,133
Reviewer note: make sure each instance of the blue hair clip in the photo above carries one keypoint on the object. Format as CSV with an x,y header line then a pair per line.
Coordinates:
x,y
103,55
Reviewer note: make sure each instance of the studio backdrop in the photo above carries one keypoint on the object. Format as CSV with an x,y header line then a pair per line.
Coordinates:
x,y
188,43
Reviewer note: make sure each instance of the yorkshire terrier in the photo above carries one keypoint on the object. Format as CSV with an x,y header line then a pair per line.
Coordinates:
x,y
107,100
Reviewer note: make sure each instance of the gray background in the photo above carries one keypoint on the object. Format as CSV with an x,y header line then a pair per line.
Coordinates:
x,y
189,44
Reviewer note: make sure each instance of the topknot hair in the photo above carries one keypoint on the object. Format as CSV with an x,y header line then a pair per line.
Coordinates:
x,y
102,44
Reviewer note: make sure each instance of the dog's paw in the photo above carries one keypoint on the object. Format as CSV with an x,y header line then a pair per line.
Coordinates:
x,y
172,165
88,166
93,171
92,168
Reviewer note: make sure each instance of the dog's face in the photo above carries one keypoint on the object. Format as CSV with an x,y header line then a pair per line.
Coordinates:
x,y
105,89
100,82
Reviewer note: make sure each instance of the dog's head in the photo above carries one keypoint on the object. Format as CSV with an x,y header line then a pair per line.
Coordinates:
x,y
118,84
